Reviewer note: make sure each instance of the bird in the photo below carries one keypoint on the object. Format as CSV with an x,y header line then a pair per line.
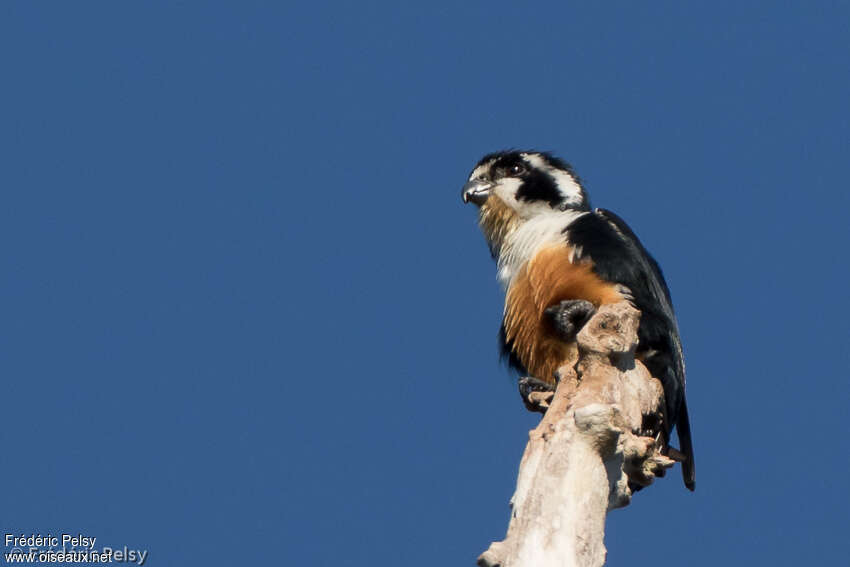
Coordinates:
x,y
558,261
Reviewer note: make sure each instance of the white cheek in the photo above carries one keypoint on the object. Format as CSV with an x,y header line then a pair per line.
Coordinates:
x,y
506,191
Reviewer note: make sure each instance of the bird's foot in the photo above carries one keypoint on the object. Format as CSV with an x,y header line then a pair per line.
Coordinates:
x,y
536,394
569,316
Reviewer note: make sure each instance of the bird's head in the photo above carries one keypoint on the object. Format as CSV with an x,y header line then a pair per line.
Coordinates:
x,y
525,182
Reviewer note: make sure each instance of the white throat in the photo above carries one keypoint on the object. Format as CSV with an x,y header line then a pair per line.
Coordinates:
x,y
529,237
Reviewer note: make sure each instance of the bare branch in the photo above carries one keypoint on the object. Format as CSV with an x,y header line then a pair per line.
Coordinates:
x,y
588,452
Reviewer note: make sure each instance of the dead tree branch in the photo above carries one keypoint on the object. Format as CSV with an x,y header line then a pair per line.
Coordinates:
x,y
589,451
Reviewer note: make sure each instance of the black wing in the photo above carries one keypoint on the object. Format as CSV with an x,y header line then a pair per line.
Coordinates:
x,y
618,256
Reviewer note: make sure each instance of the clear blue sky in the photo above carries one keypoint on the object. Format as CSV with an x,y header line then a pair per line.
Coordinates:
x,y
247,320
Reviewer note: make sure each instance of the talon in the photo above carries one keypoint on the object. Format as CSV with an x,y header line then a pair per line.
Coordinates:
x,y
569,316
536,394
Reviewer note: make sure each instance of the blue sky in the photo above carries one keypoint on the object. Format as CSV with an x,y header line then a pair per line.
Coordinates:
x,y
246,318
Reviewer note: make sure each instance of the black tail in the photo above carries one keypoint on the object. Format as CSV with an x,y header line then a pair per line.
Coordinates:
x,y
683,428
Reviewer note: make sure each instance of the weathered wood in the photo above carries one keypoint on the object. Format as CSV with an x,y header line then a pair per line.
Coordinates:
x,y
587,450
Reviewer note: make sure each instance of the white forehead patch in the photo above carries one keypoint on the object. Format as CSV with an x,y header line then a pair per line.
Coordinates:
x,y
481,169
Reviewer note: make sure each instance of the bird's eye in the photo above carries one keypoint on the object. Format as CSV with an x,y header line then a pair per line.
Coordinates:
x,y
517,169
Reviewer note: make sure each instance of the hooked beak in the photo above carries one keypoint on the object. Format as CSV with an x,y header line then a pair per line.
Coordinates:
x,y
476,191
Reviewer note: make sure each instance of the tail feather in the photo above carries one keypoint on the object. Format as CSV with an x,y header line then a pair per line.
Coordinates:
x,y
683,429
